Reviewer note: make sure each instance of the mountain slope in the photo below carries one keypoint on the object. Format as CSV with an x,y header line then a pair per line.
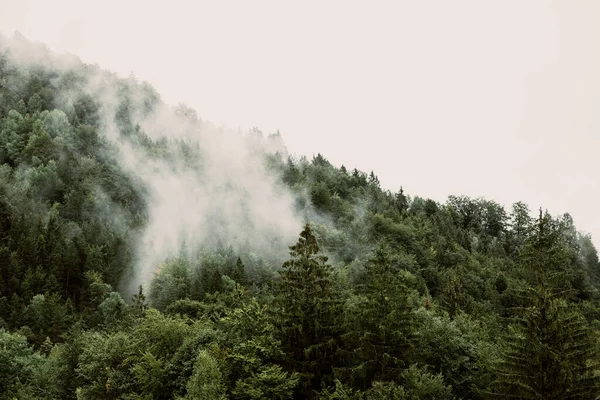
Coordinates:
x,y
103,187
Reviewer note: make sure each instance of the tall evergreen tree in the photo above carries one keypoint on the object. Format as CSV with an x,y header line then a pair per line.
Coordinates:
x,y
550,354
521,225
138,303
401,201
373,179
239,273
382,326
305,315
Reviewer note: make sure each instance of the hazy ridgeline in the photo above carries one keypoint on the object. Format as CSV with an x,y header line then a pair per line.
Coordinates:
x,y
196,184
103,188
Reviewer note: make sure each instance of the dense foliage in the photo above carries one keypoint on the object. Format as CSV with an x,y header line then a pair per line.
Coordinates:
x,y
383,295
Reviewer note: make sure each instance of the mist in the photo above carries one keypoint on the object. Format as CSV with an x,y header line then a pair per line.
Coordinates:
x,y
213,190
204,186
400,84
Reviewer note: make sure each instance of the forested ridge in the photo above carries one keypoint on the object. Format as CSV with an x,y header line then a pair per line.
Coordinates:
x,y
381,295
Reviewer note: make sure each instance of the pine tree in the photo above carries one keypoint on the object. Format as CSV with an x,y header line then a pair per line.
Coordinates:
x,y
292,175
521,225
239,273
373,179
206,381
138,303
383,326
305,317
401,201
550,354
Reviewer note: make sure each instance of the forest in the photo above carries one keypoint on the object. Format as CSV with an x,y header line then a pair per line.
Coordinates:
x,y
296,279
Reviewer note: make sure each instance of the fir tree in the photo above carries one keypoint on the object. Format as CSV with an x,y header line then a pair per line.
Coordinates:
x,y
239,273
383,326
138,303
401,201
550,354
305,314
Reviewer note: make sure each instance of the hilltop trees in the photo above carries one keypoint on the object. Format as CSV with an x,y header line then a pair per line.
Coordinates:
x,y
384,295
305,315
382,326
549,353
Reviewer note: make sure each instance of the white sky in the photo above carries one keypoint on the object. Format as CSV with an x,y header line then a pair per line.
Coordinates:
x,y
499,99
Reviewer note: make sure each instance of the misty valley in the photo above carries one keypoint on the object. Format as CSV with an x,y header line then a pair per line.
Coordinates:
x,y
146,253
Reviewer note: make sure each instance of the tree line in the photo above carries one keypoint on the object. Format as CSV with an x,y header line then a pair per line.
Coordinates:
x,y
383,296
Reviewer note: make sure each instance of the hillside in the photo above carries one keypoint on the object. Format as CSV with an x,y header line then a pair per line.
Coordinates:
x,y
145,254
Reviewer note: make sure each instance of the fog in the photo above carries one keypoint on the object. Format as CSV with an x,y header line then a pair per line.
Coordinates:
x,y
212,189
493,99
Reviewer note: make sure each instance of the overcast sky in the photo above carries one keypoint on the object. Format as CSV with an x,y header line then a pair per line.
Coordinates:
x,y
499,99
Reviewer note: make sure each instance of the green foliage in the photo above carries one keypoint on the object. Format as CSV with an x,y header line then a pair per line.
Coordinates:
x,y
113,309
422,299
185,307
161,334
136,362
138,303
380,321
549,353
60,370
18,363
47,316
305,314
206,382
420,384
251,349
171,283
104,366
452,347
270,382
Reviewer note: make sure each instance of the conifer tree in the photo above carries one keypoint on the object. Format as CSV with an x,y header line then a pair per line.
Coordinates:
x,y
383,324
305,314
373,179
521,225
239,273
401,201
138,303
550,354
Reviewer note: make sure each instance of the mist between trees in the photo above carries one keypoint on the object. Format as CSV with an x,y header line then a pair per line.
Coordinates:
x,y
147,254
